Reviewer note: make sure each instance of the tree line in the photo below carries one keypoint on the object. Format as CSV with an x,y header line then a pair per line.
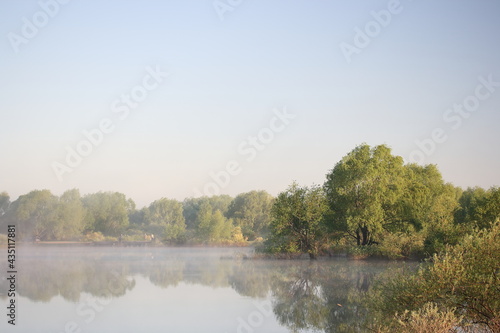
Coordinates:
x,y
371,203
41,215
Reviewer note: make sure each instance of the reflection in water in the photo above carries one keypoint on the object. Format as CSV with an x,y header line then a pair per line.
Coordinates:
x,y
306,296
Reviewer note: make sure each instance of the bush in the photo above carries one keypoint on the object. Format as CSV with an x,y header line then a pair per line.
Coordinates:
x,y
428,319
438,237
93,237
465,277
361,252
133,235
401,246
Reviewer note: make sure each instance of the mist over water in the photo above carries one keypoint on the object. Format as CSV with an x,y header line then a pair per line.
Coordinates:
x,y
89,289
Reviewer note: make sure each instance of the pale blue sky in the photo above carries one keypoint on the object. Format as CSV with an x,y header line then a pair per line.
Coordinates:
x,y
226,78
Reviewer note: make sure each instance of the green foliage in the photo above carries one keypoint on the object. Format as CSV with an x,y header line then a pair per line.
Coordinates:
x,y
4,203
94,237
107,212
165,217
427,200
237,236
35,214
439,236
429,318
298,220
372,199
252,212
363,190
212,225
191,208
399,245
360,252
479,208
465,277
70,216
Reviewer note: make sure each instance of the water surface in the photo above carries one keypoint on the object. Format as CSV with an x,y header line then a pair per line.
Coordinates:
x,y
108,290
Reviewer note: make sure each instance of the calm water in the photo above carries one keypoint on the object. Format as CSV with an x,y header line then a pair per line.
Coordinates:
x,y
183,290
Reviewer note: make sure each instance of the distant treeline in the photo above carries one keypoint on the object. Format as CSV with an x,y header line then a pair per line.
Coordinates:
x,y
40,215
370,204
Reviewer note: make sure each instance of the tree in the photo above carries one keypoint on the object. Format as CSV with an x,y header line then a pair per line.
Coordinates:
x,y
298,220
4,203
252,212
138,217
191,208
70,216
167,215
107,212
364,190
479,208
490,211
427,200
212,225
35,214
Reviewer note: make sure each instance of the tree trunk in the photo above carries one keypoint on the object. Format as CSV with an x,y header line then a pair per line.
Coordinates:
x,y
366,236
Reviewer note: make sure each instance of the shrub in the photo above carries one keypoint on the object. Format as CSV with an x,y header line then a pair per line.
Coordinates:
x,y
401,246
428,319
93,237
361,252
465,277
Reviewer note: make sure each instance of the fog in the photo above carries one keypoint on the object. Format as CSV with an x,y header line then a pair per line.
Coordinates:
x,y
89,289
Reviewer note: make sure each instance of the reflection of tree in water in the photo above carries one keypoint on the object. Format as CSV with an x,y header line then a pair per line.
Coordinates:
x,y
109,280
250,278
212,273
299,300
322,296
42,278
41,281
167,273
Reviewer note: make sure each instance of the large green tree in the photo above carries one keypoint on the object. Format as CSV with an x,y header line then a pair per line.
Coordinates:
x,y
364,191
298,220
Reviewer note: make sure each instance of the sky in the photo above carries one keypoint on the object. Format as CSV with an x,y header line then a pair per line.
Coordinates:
x,y
179,99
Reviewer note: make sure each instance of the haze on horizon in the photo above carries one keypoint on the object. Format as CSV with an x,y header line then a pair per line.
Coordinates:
x,y
162,96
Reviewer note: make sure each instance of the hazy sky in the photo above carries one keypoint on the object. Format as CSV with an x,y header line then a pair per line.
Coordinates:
x,y
270,91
